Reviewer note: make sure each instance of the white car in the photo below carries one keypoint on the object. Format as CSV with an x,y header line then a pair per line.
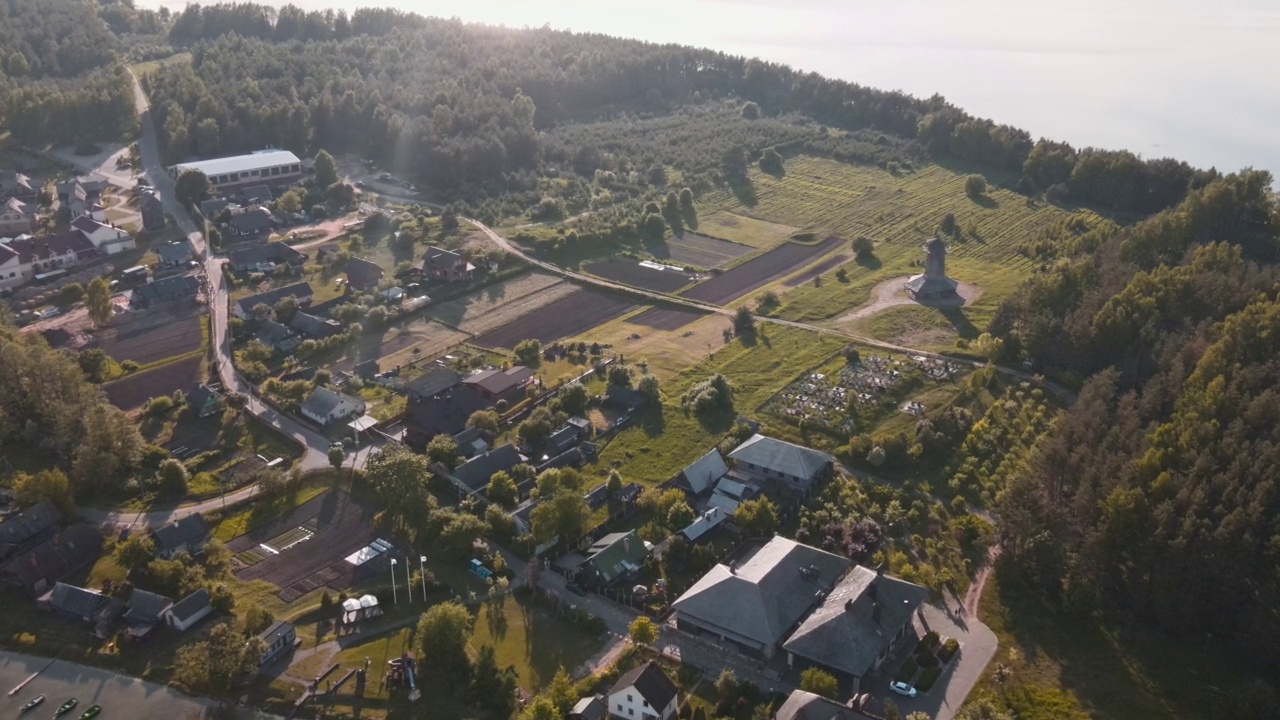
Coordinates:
x,y
902,688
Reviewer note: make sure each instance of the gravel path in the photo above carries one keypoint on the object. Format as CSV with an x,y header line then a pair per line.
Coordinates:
x,y
892,293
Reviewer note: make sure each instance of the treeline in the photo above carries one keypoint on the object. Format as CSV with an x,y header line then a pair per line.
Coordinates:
x,y
52,38
98,106
461,106
1154,498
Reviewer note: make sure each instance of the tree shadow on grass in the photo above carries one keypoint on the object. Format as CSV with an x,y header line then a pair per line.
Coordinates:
x,y
653,422
985,201
744,190
868,261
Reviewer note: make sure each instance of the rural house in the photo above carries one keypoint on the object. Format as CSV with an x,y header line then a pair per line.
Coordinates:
x,y
23,531
446,265
279,639
797,467
613,558
145,610
754,605
313,327
704,523
17,218
175,253
803,705
326,407
436,380
443,414
189,610
644,693
256,195
264,257
19,186
152,210
11,269
591,707
189,535
170,289
49,253
857,626
39,568
475,473
73,603
701,475
88,187
493,385
203,401
362,274
277,336
107,238
301,291
252,225
472,441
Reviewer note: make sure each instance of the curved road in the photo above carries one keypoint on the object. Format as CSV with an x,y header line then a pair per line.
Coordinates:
x,y
315,445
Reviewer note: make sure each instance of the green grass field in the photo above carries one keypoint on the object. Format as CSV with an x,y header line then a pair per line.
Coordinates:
x,y
898,212
151,66
665,439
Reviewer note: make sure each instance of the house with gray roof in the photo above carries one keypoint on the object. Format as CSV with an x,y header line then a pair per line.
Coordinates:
x,y
301,291
177,252
54,559
701,475
325,407
277,336
433,382
279,639
314,327
857,626
72,603
796,467
21,532
475,473
189,610
754,605
170,289
204,401
612,559
144,612
257,257
251,225
803,705
189,534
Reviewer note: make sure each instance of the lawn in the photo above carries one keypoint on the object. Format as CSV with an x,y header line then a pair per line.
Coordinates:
x,y
1072,667
897,211
151,66
665,439
741,228
250,516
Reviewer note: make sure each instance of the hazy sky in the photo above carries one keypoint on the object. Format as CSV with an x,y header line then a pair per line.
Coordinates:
x,y
1159,77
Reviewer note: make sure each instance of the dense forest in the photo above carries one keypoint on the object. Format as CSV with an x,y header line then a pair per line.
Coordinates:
x,y
1155,497
62,79
481,112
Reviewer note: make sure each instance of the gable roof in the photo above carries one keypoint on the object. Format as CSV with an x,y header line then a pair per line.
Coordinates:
x,y
441,258
201,395
787,458
270,252
323,401
174,252
49,246
89,226
57,556
21,207
615,554
146,607
272,332
704,523
177,286
475,473
257,194
251,221
802,705
190,530
190,605
6,255
241,163
28,524
850,628
434,382
74,600
278,629
768,594
301,290
651,683
313,326
500,381
590,707
702,473
362,273
445,413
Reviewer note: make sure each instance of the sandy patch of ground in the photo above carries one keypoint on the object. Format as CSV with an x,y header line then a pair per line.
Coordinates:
x,y
892,293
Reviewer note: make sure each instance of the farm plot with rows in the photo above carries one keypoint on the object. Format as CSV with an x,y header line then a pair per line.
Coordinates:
x,y
566,317
399,345
162,333
751,231
662,318
496,305
691,248
630,272
758,271
132,391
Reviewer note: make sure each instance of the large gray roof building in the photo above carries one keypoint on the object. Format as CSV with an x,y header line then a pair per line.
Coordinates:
x,y
798,467
757,604
265,166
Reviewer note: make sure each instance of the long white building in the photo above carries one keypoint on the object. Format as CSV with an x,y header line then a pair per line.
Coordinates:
x,y
264,167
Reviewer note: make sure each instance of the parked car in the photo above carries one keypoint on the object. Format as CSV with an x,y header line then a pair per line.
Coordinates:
x,y
32,704
902,688
575,588
51,312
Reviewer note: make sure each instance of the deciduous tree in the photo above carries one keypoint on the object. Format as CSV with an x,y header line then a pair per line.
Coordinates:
x,y
326,169
98,301
191,188
642,631
818,682
443,633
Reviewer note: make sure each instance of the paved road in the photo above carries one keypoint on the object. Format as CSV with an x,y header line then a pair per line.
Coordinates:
x,y
120,696
314,444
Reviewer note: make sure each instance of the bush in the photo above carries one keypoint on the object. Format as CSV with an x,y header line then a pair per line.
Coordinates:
x,y
158,406
927,660
928,642
975,185
129,366
949,649
24,639
908,670
928,678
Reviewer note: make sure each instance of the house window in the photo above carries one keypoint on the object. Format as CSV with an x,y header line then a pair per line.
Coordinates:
x,y
631,711
619,707
629,699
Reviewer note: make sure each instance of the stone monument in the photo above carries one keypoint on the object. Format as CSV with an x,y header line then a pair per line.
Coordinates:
x,y
934,283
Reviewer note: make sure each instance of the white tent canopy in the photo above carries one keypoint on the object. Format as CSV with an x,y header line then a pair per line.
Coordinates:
x,y
350,610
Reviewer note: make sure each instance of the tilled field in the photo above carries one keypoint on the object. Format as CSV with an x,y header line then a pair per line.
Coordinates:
x,y
155,341
565,317
324,531
630,272
817,270
494,306
758,271
660,318
132,391
704,251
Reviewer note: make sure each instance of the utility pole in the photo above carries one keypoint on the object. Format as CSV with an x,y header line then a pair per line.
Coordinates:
x,y
422,560
394,600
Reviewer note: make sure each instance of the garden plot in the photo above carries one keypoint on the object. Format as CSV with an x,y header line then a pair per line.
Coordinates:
x,y
164,333
496,305
702,251
759,271
630,272
132,391
567,317
836,399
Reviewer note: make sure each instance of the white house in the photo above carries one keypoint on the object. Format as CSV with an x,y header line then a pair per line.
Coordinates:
x,y
108,239
11,270
326,407
797,467
188,611
17,218
645,693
